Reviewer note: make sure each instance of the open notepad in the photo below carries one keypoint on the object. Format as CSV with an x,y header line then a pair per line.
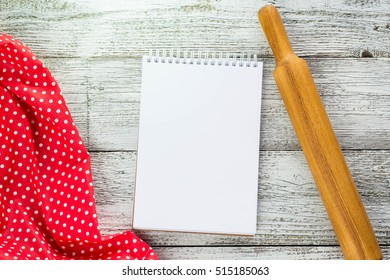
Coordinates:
x,y
198,149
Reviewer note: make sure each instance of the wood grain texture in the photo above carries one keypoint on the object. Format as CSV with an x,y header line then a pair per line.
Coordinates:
x,y
290,211
355,93
252,253
93,48
85,28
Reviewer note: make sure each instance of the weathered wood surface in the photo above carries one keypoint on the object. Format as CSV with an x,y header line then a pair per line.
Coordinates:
x,y
60,28
355,93
252,253
93,48
290,211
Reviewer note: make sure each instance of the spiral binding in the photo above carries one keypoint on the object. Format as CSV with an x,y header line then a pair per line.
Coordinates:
x,y
201,58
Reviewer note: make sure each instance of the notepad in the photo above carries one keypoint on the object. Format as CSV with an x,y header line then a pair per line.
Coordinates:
x,y
198,147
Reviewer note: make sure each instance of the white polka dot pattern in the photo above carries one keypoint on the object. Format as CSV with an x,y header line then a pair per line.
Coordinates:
x,y
47,205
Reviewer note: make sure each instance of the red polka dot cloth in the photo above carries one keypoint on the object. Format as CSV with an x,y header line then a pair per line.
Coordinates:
x,y
47,205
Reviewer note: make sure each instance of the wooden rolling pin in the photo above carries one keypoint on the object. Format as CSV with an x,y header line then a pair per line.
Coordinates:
x,y
319,144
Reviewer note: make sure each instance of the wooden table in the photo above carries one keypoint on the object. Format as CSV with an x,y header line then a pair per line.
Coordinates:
x,y
94,49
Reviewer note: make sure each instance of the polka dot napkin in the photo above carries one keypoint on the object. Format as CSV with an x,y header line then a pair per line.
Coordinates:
x,y
47,206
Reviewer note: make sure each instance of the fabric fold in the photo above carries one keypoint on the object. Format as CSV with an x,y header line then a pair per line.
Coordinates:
x,y
47,204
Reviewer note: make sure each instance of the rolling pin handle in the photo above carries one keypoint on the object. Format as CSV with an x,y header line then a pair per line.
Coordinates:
x,y
275,32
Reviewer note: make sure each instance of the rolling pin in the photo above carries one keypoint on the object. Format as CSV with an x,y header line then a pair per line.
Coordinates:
x,y
319,144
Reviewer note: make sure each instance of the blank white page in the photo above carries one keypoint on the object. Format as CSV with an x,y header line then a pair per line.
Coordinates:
x,y
198,149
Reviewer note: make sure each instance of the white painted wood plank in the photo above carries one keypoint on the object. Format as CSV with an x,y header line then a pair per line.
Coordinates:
x,y
355,93
73,28
290,211
254,253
